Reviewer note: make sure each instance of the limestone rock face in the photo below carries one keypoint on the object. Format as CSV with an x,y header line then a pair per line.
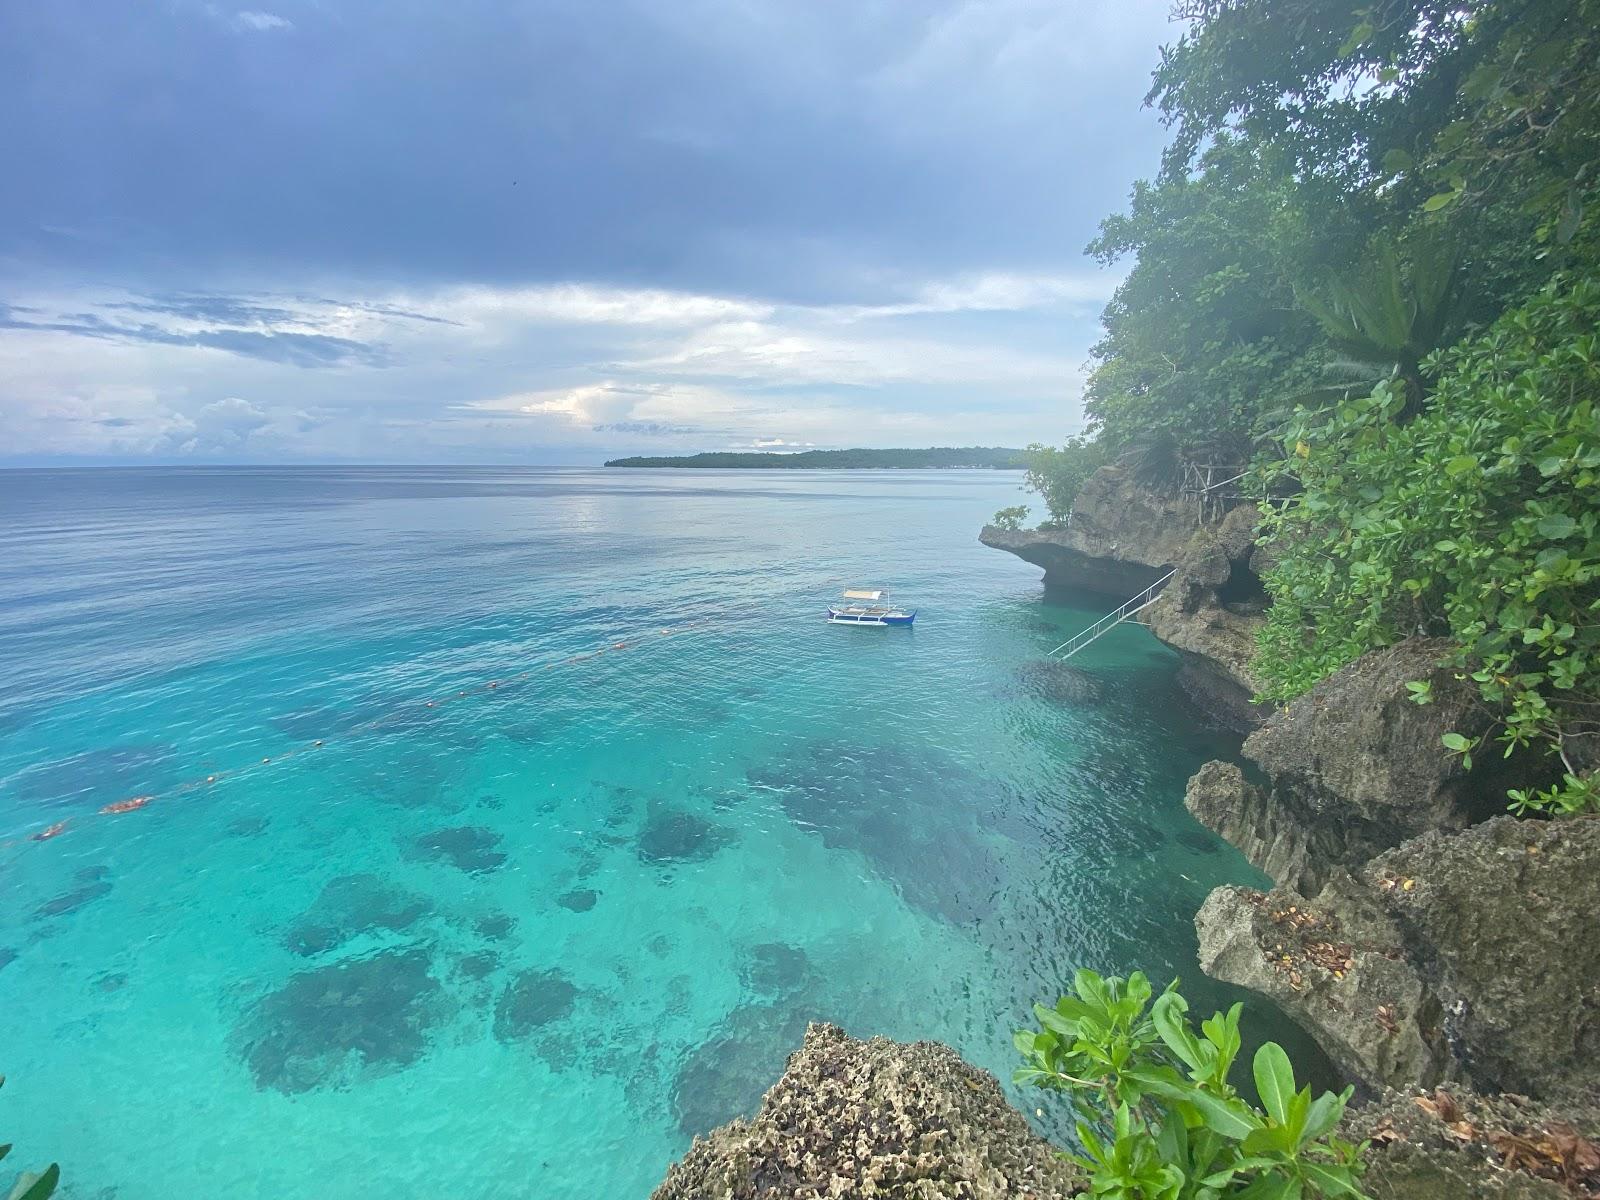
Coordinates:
x,y
1210,613
1337,969
853,1118
1501,920
1355,767
1122,538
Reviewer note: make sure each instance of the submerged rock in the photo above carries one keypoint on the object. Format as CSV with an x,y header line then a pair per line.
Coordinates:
x,y
774,969
673,835
468,848
915,815
578,900
1061,683
351,905
86,892
329,1026
853,1118
533,999
725,1075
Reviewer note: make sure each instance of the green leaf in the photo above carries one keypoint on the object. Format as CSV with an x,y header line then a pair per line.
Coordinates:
x,y
37,1187
1436,202
1396,161
1325,1112
1557,527
1461,464
1333,1182
1274,1080
1454,741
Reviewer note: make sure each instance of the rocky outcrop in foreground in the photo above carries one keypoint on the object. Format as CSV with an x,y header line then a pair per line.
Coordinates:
x,y
1121,539
1417,941
852,1118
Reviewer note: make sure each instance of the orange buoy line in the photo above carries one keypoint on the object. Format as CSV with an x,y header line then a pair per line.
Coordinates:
x,y
134,803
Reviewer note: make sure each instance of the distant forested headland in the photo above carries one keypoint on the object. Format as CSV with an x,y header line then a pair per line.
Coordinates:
x,y
992,458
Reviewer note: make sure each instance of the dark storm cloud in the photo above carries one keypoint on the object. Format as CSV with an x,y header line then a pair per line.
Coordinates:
x,y
791,150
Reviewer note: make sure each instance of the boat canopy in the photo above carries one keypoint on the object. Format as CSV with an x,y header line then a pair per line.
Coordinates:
x,y
866,593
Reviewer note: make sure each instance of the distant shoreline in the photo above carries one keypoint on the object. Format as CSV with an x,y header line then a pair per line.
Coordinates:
x,y
947,458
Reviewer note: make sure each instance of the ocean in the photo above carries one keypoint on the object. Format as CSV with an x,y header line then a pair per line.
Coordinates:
x,y
491,831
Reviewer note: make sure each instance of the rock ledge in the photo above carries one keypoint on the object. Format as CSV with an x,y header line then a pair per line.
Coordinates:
x,y
874,1119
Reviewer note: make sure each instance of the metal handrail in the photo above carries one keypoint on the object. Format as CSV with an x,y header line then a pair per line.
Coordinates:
x,y
1112,619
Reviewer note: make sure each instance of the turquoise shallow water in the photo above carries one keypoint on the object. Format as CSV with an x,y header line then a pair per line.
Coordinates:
x,y
429,895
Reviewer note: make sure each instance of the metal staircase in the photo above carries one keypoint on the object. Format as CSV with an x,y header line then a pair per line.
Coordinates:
x,y
1112,619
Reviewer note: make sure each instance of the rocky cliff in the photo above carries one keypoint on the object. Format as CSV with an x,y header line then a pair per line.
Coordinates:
x,y
1121,539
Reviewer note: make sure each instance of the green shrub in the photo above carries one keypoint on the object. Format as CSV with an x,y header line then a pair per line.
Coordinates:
x,y
1010,519
1057,474
31,1185
1478,521
1159,1119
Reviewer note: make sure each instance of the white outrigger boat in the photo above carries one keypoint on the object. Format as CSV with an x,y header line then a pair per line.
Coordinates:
x,y
868,606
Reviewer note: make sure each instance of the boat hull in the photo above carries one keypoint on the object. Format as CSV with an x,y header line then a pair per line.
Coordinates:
x,y
878,620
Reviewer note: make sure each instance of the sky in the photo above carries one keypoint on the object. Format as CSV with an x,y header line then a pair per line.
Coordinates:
x,y
554,232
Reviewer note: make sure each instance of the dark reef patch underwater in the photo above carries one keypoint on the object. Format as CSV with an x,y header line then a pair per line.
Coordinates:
x,y
914,815
331,1026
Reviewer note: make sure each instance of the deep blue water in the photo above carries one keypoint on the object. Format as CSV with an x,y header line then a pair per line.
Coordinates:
x,y
506,826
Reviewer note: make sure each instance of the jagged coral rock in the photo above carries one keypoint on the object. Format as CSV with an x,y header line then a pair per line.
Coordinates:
x,y
873,1119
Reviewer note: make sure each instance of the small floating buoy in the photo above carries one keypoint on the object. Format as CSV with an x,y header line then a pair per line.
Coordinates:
x,y
494,683
619,645
430,703
213,778
266,760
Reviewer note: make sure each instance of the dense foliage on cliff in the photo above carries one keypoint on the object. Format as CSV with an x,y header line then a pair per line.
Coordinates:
x,y
1478,520
996,458
1159,1118
1365,265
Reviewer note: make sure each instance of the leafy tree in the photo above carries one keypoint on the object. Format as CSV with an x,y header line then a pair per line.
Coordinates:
x,y
1478,521
1205,328
1159,1118
1057,474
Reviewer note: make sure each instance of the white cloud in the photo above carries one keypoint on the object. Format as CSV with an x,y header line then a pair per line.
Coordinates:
x,y
496,372
254,21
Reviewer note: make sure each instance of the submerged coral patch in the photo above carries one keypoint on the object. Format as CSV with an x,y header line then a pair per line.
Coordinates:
x,y
469,848
674,835
1060,683
726,1076
495,926
330,1026
579,899
533,999
351,905
71,901
914,815
774,969
479,965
